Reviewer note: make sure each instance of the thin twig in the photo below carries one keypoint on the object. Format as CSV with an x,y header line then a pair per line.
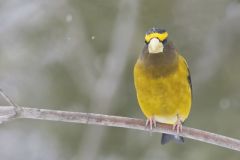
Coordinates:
x,y
16,108
7,98
122,122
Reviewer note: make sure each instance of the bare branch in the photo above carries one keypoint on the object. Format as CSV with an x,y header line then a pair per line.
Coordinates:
x,y
116,121
8,99
16,108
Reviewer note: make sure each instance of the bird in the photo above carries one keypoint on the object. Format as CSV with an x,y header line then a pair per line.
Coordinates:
x,y
163,84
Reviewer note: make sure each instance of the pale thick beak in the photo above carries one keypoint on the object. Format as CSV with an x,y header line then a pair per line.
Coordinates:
x,y
155,46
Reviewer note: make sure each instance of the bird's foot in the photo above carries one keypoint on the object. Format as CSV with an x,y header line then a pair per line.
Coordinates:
x,y
151,122
178,125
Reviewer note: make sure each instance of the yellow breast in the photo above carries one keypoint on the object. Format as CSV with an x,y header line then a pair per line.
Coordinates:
x,y
163,96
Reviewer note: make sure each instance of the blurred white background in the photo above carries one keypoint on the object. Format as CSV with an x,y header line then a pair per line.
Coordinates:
x,y
79,55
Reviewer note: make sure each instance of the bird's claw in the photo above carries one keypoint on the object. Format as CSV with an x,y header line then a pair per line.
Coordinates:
x,y
178,125
151,122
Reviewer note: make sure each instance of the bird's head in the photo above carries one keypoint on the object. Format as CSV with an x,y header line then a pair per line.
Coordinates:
x,y
156,39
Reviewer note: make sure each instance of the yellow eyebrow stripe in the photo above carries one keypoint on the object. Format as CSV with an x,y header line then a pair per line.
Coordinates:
x,y
160,36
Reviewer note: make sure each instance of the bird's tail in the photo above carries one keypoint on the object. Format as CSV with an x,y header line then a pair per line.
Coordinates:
x,y
168,137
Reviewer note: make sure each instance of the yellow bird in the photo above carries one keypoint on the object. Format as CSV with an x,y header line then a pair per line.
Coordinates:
x,y
163,84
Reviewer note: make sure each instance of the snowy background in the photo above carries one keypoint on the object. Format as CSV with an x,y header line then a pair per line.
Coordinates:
x,y
78,55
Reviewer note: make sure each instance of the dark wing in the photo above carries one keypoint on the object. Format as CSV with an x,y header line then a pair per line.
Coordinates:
x,y
189,79
189,75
